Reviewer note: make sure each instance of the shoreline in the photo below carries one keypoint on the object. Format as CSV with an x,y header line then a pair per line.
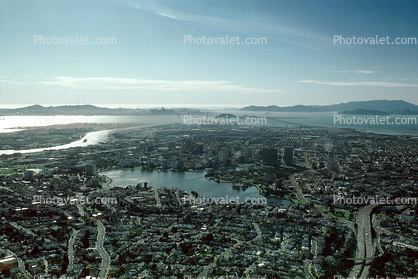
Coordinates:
x,y
38,139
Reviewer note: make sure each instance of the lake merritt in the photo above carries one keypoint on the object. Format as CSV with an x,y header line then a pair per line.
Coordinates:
x,y
188,181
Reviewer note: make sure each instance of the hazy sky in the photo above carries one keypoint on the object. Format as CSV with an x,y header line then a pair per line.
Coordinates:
x,y
149,63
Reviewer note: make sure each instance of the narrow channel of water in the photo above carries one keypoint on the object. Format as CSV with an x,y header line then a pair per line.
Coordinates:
x,y
88,139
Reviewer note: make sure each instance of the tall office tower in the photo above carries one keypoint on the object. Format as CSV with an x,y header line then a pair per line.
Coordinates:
x,y
270,157
251,152
269,174
288,155
224,153
91,169
28,175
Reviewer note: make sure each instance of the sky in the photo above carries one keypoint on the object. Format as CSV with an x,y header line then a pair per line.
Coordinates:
x,y
175,52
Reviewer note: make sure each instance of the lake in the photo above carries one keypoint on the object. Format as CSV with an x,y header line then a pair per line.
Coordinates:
x,y
188,181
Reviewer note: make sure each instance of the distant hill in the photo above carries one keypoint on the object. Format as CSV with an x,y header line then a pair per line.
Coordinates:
x,y
381,105
226,115
60,110
387,106
363,112
298,108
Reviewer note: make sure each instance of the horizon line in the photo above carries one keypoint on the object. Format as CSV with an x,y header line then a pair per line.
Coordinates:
x,y
177,106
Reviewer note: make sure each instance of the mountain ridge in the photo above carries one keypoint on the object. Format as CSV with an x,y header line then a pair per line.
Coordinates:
x,y
388,106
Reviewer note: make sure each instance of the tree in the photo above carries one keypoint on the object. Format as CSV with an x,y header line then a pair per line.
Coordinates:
x,y
36,250
64,265
153,267
85,239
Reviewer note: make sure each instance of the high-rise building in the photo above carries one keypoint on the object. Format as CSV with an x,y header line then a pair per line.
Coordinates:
x,y
288,155
28,175
91,169
251,152
215,147
270,157
269,174
224,153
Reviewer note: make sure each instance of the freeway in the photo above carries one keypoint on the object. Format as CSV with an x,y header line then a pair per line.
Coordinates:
x,y
365,247
298,189
368,240
105,265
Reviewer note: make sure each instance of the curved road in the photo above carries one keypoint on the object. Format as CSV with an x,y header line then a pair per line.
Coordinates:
x,y
71,251
105,265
